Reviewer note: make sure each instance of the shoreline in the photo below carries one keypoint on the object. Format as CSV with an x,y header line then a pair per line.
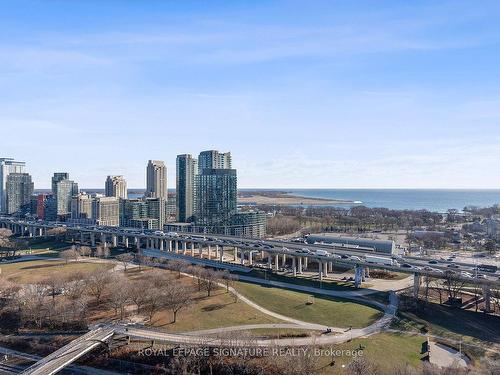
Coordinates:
x,y
287,199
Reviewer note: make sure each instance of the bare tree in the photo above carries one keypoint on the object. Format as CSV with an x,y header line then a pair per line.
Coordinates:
x,y
453,284
85,251
99,251
54,283
75,284
210,279
70,254
176,296
119,294
178,266
97,283
154,301
125,259
138,293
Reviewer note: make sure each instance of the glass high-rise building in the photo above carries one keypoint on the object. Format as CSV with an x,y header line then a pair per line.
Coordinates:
x,y
58,176
19,189
7,166
213,159
185,189
65,190
216,197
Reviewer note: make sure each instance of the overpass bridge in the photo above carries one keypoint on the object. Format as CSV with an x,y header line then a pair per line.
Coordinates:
x,y
71,352
224,251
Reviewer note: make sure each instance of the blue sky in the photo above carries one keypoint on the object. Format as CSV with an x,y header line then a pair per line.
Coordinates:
x,y
331,94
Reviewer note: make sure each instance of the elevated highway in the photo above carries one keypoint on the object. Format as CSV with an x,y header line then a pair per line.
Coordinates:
x,y
222,251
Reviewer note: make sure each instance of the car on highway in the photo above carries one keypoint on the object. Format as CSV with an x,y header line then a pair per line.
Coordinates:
x,y
433,261
452,266
354,257
323,253
304,250
284,248
466,274
406,265
335,256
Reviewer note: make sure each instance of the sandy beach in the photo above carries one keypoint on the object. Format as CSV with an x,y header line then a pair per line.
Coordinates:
x,y
284,199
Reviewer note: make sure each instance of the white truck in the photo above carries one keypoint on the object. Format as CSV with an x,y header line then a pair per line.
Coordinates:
x,y
381,260
322,253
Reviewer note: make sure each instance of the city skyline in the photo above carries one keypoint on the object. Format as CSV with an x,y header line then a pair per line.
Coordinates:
x,y
348,95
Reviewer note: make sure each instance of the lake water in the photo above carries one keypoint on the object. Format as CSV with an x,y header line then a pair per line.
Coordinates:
x,y
439,200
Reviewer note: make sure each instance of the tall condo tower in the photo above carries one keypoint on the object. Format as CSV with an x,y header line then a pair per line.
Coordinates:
x,y
8,166
156,180
185,188
116,186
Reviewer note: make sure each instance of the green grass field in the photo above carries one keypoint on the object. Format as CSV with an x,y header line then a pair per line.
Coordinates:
x,y
218,310
385,350
303,280
324,310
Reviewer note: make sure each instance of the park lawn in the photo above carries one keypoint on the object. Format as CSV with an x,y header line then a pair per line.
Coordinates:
x,y
304,280
470,327
33,271
386,350
276,333
325,310
218,310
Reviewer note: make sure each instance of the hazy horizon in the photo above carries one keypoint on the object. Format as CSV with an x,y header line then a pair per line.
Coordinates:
x,y
383,94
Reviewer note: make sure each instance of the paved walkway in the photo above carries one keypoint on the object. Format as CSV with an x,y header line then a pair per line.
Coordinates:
x,y
444,356
250,327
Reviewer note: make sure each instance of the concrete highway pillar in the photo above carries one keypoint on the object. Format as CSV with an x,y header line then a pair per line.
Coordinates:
x,y
487,298
306,259
269,261
320,270
115,240
192,249
235,254
221,253
125,241
250,260
103,238
138,243
242,257
176,246
161,245
92,239
294,267
357,276
416,284
209,251
330,266
262,255
200,248
300,265
284,259
325,269
184,247
276,262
